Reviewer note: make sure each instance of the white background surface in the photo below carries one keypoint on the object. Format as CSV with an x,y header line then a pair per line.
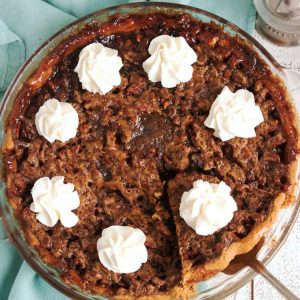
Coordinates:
x,y
286,264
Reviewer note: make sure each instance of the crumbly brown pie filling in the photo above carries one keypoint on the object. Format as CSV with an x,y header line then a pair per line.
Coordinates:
x,y
140,146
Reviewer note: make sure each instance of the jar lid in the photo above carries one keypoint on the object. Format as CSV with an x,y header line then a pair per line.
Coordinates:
x,y
279,20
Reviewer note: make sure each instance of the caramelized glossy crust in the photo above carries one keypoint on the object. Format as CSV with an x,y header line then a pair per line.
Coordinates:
x,y
139,147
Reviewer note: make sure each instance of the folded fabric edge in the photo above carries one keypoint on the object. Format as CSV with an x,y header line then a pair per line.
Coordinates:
x,y
251,18
12,56
6,35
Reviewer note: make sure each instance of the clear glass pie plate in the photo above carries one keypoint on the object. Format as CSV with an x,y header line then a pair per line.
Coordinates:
x,y
219,286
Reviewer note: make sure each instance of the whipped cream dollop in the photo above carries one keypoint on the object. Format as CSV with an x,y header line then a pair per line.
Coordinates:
x,y
54,200
98,68
121,249
234,115
170,61
57,120
207,207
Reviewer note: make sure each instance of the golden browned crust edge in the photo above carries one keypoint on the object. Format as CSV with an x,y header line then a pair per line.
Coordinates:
x,y
8,142
294,177
294,166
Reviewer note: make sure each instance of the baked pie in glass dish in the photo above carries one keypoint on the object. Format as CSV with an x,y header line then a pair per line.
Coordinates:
x,y
144,151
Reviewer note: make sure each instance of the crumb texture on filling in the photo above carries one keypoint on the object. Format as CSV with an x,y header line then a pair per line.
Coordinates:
x,y
140,146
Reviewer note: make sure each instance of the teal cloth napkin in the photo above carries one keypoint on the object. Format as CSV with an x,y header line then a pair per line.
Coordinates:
x,y
24,25
12,54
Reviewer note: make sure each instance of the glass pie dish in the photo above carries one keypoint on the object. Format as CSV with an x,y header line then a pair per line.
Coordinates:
x,y
219,286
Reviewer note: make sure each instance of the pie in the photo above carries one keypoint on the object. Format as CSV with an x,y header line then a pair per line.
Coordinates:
x,y
140,146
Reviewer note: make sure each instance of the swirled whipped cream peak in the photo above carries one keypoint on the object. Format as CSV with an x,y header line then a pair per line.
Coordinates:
x,y
57,120
234,115
98,68
170,61
54,200
121,249
207,207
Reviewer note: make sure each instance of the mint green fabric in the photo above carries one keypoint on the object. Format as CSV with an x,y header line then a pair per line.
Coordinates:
x,y
33,20
12,55
10,263
24,25
80,8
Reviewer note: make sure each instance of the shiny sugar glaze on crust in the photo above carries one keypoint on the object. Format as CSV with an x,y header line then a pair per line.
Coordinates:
x,y
140,146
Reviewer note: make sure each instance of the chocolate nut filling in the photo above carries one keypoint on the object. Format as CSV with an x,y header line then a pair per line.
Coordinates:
x,y
140,146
